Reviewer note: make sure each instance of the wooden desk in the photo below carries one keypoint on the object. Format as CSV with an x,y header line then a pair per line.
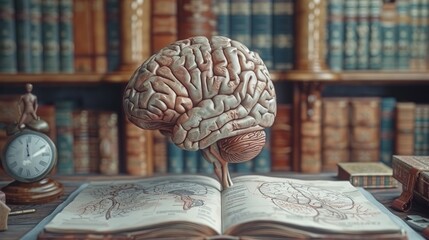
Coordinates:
x,y
19,225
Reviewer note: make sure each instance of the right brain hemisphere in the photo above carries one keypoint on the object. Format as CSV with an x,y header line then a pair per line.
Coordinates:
x,y
199,91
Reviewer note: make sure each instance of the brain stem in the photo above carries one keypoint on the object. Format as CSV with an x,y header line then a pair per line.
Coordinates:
x,y
213,155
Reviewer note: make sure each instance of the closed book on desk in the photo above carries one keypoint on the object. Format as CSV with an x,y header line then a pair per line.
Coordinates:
x,y
196,207
413,173
367,175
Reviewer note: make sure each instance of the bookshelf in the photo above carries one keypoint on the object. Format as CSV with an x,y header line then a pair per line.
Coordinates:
x,y
307,80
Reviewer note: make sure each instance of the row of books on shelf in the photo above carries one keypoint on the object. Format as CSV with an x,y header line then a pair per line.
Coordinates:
x,y
377,34
372,129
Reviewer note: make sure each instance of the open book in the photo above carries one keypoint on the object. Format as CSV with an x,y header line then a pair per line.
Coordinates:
x,y
192,206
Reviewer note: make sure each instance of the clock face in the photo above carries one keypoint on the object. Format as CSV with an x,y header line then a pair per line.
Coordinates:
x,y
29,156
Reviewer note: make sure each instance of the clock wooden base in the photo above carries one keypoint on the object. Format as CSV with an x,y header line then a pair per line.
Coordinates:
x,y
39,192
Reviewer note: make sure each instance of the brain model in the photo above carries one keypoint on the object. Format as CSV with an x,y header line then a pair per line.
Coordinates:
x,y
209,94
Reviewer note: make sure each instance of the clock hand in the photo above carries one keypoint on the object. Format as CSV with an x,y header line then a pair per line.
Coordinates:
x,y
40,151
28,151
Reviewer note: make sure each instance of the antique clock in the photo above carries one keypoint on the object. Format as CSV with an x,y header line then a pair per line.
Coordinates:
x,y
28,157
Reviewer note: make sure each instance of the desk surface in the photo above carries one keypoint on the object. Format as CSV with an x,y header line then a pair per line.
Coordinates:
x,y
19,225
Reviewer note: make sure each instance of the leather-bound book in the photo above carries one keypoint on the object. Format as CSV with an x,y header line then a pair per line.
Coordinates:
x,y
164,23
281,139
404,128
195,18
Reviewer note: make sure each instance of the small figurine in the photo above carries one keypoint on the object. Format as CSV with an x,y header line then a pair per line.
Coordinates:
x,y
28,108
212,94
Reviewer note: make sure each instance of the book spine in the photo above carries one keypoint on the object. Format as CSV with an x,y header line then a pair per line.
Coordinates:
x,y
81,142
64,120
375,34
240,21
160,148
422,187
8,46
66,36
414,28
197,18
311,134
138,150
204,166
23,41
283,28
98,27
335,34
112,35
243,167
36,36
426,130
50,36
82,36
262,162
403,34
388,36
164,21
363,34
423,36
93,141
261,30
281,139
365,129
387,127
350,34
108,143
373,181
190,160
222,17
175,158
418,130
404,128
335,132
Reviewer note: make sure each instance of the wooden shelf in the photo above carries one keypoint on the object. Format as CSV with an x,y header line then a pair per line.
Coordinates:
x,y
367,77
65,78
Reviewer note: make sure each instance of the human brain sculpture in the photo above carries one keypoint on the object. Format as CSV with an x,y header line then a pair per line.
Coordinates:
x,y
209,94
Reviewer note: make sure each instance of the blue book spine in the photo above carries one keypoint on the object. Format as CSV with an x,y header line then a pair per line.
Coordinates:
x,y
190,159
375,34
64,121
414,28
387,127
244,167
175,158
262,162
423,34
283,27
388,36
240,26
36,36
261,30
66,36
335,34
363,34
222,17
403,35
50,36
113,35
350,34
419,135
7,37
23,32
204,166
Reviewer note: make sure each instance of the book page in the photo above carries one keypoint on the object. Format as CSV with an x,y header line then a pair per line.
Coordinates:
x,y
332,206
115,206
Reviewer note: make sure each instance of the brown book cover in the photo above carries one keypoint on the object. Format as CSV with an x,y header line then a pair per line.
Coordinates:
x,y
89,36
138,150
311,133
98,28
335,132
411,172
365,129
195,18
281,139
46,112
108,143
367,174
81,156
160,152
164,23
404,128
